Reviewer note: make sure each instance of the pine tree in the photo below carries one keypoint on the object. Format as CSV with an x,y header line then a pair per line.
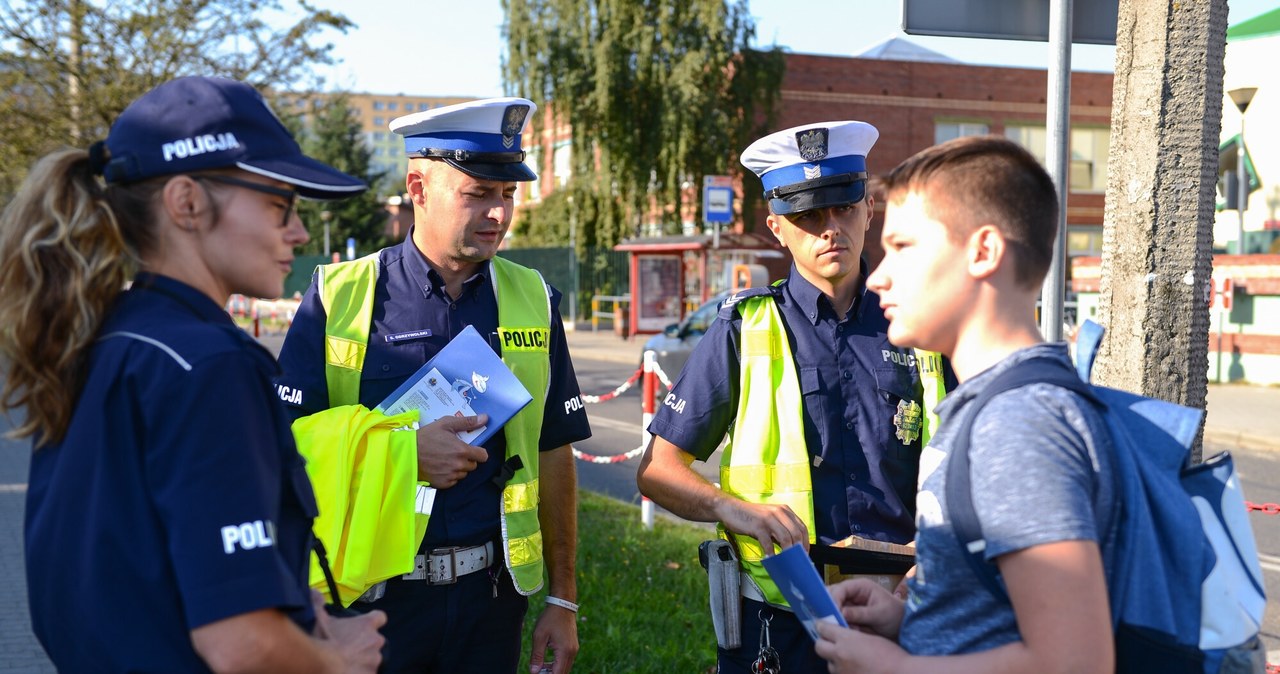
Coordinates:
x,y
334,137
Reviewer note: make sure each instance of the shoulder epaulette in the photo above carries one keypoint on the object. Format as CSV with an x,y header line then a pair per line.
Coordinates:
x,y
729,310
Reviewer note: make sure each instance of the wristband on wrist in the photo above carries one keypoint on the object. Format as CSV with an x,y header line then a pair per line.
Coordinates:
x,y
562,603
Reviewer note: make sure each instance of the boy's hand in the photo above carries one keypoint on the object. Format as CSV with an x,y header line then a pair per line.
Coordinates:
x,y
867,606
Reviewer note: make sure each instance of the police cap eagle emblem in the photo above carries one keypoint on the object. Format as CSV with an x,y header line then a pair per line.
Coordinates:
x,y
812,144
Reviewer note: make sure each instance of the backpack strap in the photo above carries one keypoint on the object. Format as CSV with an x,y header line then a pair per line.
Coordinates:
x,y
1088,340
964,520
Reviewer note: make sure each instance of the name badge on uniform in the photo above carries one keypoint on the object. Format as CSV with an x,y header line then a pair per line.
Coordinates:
x,y
406,336
908,420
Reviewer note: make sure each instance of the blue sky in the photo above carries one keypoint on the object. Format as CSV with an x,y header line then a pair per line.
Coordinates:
x,y
453,47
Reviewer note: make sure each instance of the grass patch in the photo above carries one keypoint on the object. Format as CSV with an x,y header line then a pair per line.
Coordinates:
x,y
643,594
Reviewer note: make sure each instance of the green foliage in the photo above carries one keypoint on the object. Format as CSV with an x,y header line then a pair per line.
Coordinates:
x,y
547,224
68,67
643,594
335,138
659,94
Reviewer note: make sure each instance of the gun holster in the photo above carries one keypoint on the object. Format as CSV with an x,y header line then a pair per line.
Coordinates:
x,y
723,578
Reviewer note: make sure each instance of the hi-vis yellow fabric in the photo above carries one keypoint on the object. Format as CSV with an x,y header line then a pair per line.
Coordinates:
x,y
524,326
766,460
363,473
524,318
346,291
929,366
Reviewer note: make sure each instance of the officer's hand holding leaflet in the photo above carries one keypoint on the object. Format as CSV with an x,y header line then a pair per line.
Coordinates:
x,y
665,476
774,526
443,457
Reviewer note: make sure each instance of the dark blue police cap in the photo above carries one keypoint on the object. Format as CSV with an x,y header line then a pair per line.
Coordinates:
x,y
203,123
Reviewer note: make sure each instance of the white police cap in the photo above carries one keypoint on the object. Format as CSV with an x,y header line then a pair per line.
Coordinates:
x,y
480,138
812,166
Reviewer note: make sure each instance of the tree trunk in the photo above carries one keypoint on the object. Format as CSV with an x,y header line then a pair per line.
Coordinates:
x,y
1157,251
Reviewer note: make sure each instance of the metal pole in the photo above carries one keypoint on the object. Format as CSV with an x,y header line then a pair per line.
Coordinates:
x,y
1242,188
573,266
324,217
1057,159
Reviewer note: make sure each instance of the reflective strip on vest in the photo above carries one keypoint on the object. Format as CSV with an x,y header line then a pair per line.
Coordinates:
x,y
929,367
346,291
766,460
524,328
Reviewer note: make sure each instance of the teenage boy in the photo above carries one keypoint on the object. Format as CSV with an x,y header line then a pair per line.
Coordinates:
x,y
968,237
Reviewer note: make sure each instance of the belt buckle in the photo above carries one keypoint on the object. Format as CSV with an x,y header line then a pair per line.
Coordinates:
x,y
443,578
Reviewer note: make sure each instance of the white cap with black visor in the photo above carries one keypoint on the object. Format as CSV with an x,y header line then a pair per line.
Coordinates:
x,y
812,166
480,138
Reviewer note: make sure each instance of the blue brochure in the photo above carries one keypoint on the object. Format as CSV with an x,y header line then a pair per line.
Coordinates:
x,y
800,583
466,377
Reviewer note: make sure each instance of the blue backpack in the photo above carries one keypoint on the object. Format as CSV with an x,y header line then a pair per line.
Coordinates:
x,y
1181,527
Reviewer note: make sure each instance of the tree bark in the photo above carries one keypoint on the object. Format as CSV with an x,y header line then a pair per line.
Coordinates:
x,y
1157,252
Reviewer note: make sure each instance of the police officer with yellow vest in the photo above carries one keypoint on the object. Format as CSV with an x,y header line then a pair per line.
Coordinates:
x,y
823,415
496,514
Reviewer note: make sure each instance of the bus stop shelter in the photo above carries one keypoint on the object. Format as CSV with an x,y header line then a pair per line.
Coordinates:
x,y
671,275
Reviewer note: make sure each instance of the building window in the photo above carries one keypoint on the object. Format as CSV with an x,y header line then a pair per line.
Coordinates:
x,y
391,105
1089,147
378,121
424,106
377,105
562,162
945,131
1084,241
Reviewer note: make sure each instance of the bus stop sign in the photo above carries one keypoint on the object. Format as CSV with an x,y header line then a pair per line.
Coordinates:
x,y
717,199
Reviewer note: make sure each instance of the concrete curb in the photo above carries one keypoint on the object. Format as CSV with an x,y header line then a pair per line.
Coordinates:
x,y
1224,436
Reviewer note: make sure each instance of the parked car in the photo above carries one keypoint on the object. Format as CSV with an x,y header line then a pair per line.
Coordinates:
x,y
673,345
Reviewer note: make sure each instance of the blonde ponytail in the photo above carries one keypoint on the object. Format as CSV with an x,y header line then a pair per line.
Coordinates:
x,y
67,248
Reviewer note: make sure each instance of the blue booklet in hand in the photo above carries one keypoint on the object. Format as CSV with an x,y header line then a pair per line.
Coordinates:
x,y
465,378
800,583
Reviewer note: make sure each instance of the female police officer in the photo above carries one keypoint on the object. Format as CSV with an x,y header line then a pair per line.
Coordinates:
x,y
168,513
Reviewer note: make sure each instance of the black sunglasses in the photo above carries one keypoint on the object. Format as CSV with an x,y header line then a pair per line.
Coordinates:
x,y
290,196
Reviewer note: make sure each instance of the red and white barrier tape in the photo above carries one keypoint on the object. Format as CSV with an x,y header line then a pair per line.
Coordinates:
x,y
662,376
617,458
615,392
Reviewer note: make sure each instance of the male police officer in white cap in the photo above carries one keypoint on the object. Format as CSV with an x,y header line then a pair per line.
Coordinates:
x,y
504,511
823,414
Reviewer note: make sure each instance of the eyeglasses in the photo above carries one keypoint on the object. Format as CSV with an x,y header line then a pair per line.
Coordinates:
x,y
290,196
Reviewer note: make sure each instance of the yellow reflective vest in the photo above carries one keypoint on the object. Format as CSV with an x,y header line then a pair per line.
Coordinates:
x,y
766,459
524,306
366,471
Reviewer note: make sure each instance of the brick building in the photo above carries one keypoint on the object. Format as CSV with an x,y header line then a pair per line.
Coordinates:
x,y
917,103
916,98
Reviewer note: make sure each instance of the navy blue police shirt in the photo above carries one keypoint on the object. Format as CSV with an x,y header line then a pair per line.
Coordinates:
x,y
177,497
851,378
413,318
